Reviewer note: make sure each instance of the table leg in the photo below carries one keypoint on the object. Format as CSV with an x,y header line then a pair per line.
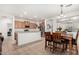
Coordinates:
x,y
70,45
45,44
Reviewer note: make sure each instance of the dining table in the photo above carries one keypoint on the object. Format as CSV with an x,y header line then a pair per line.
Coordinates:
x,y
68,37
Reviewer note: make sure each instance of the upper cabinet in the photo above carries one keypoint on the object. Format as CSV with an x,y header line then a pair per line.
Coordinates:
x,y
25,24
19,24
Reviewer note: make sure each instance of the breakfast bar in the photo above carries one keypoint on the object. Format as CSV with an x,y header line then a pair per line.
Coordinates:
x,y
25,37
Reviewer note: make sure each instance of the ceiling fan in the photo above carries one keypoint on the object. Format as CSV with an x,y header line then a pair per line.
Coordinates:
x,y
67,5
61,6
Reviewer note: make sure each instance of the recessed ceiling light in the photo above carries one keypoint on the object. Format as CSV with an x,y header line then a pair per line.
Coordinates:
x,y
25,13
35,16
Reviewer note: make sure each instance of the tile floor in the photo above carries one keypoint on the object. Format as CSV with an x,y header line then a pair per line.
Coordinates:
x,y
9,48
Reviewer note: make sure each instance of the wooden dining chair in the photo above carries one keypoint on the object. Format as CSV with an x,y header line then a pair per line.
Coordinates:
x,y
16,38
74,42
1,42
57,41
48,39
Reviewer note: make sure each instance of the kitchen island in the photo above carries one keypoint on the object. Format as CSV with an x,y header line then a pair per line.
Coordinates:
x,y
25,37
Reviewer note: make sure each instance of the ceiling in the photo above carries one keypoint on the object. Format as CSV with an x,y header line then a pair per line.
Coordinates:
x,y
37,11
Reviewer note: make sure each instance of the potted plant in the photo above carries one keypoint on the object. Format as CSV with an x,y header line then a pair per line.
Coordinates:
x,y
59,29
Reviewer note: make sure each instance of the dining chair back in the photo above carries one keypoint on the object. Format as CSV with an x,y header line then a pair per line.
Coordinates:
x,y
48,39
56,36
48,36
77,36
57,40
74,40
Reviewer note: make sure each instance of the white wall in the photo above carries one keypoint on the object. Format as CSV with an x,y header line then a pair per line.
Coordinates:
x,y
55,25
4,26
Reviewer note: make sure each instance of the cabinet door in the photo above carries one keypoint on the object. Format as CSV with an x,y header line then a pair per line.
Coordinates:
x,y
19,24
23,25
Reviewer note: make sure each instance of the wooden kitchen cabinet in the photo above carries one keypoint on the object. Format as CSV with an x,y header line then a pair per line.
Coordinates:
x,y
19,24
23,24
